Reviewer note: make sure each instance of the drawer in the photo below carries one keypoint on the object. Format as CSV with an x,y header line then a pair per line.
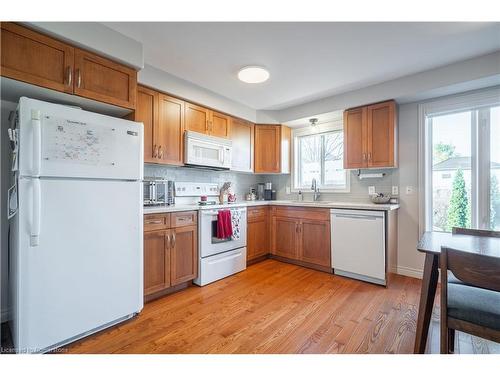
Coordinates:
x,y
156,221
302,213
257,212
184,219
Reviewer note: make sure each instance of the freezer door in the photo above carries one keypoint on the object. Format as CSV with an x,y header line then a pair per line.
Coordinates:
x,y
60,141
87,267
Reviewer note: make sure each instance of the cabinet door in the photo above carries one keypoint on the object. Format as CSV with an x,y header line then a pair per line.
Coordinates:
x,y
170,130
197,118
184,254
267,148
242,136
156,261
285,234
220,125
147,113
257,238
355,138
381,126
104,80
315,242
37,59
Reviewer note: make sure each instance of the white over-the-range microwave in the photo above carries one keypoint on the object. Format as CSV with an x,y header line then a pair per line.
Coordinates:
x,y
207,151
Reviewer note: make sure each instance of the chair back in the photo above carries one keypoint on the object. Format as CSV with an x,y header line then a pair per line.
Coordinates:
x,y
475,232
474,269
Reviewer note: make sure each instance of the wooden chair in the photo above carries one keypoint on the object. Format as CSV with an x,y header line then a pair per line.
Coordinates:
x,y
472,306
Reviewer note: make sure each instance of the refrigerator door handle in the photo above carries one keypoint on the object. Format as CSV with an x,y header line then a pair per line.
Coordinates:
x,y
35,223
37,141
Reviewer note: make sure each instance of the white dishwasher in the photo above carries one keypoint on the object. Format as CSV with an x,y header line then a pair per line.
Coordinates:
x,y
358,244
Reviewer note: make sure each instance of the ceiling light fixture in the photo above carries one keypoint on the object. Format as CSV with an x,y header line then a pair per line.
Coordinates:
x,y
253,74
313,121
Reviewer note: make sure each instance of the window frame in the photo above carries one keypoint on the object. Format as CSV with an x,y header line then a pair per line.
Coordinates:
x,y
331,126
480,152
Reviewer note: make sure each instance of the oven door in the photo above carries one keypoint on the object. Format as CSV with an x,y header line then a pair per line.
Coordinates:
x,y
210,244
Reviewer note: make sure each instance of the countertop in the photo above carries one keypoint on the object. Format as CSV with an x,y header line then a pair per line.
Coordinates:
x,y
319,204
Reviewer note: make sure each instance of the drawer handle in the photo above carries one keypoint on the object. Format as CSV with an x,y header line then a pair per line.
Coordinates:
x,y
184,218
154,222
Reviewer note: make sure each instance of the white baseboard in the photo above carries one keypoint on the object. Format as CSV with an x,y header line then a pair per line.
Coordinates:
x,y
411,272
4,315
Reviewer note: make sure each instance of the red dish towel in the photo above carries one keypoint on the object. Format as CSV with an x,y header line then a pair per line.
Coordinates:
x,y
224,226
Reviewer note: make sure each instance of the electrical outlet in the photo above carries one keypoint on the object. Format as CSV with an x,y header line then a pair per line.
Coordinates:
x,y
371,190
288,191
395,190
409,190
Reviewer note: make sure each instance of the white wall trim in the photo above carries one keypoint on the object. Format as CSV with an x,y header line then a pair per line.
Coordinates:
x,y
411,272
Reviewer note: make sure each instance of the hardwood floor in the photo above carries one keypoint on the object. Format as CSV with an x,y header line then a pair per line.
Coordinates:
x,y
272,307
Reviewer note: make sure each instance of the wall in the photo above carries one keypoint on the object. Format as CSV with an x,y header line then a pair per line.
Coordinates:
x,y
5,109
163,81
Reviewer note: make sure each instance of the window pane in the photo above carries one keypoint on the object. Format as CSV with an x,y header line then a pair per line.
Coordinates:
x,y
310,159
451,171
495,168
334,164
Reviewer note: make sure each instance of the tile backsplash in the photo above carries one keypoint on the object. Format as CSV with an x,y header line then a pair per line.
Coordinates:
x,y
244,181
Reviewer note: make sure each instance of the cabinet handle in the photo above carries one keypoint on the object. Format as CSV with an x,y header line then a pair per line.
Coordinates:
x,y
364,156
78,78
154,222
167,236
155,151
206,125
369,156
160,152
69,74
173,240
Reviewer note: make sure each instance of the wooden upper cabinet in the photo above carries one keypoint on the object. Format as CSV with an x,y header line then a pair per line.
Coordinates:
x,y
35,58
381,133
104,80
147,113
355,138
220,125
197,118
272,149
156,261
370,136
170,129
40,60
242,136
184,255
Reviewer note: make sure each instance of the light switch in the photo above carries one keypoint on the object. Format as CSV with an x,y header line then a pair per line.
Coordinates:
x,y
371,190
409,190
395,190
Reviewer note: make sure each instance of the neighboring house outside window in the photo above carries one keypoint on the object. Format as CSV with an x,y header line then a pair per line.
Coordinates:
x,y
318,154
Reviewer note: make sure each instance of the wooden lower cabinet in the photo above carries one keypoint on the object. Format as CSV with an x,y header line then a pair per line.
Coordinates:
x,y
302,235
184,254
156,262
315,242
170,254
258,244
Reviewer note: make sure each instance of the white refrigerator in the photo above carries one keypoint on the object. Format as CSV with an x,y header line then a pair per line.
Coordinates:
x,y
76,249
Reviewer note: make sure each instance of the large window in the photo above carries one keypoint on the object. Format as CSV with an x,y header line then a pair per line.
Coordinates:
x,y
318,154
462,163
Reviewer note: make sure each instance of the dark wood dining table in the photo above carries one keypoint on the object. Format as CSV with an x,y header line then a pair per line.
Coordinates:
x,y
430,244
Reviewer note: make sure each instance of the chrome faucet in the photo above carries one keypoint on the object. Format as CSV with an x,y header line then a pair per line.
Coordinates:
x,y
315,188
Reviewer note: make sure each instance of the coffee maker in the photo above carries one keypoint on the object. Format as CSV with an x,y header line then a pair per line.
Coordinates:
x,y
268,191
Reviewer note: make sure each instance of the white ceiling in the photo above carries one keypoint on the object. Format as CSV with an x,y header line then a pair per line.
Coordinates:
x,y
307,61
